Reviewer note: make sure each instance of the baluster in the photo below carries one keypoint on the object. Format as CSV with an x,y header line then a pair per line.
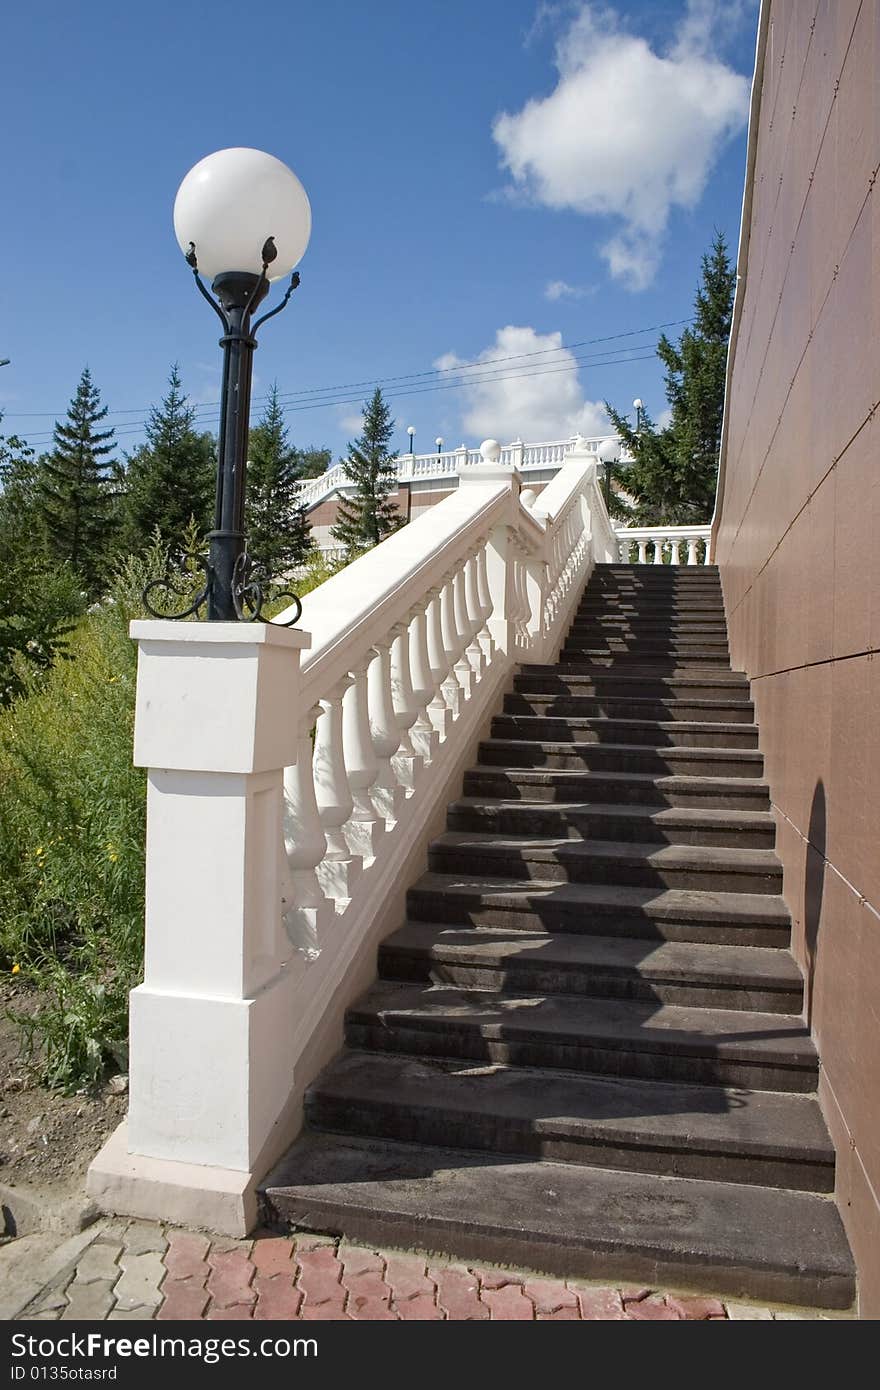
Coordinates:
x,y
692,550
625,545
520,603
486,640
387,793
675,544
365,826
423,735
307,912
475,654
440,711
406,762
465,670
452,688
340,869
643,551
658,551
706,552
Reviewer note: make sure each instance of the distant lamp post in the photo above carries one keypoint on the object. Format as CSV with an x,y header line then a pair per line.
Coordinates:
x,y
439,442
638,406
411,431
243,219
608,454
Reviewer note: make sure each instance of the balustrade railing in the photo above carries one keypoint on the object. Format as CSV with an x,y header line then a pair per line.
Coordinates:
x,y
295,778
448,464
659,545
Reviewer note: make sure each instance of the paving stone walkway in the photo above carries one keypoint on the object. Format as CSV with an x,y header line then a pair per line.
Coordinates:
x,y
143,1270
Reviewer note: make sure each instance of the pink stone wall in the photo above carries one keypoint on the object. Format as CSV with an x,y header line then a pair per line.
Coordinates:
x,y
798,542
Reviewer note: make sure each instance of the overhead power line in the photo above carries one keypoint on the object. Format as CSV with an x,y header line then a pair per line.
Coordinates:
x,y
406,376
490,378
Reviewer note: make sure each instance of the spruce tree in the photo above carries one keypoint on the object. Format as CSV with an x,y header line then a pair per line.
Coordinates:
x,y
279,535
77,489
312,462
674,474
369,515
170,480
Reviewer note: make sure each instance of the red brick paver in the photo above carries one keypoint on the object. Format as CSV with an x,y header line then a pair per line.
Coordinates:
x,y
322,1278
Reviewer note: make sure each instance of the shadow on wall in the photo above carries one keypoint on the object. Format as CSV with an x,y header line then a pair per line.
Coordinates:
x,y
814,884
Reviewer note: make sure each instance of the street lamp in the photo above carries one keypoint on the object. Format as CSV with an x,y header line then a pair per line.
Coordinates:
x,y
608,454
439,442
411,431
638,407
242,218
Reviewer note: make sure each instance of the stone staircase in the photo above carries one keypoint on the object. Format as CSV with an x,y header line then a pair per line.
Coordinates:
x,y
585,1052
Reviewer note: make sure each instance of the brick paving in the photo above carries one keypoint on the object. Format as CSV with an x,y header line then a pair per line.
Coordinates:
x,y
142,1270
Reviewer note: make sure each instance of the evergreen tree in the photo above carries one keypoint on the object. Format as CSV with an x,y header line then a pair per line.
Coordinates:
x,y
39,599
366,518
77,488
279,535
675,469
170,479
313,462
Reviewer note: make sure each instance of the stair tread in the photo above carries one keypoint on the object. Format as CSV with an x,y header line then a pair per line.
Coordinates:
x,y
543,776
550,745
672,816
711,1118
632,1024
599,721
660,960
679,675
565,1218
705,904
539,847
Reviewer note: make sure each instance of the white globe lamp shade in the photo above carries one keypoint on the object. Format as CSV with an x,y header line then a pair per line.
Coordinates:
x,y
637,403
609,451
231,202
410,429
490,451
439,441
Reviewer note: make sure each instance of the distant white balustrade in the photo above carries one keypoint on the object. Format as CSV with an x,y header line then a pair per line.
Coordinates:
x,y
659,545
448,464
296,778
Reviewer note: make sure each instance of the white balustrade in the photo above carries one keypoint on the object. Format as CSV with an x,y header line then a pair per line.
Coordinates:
x,y
310,839
664,541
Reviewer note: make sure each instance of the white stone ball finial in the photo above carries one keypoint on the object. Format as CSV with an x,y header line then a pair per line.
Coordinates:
x,y
490,451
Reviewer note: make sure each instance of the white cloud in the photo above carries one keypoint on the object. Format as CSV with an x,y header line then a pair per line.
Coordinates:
x,y
561,289
354,424
629,132
548,405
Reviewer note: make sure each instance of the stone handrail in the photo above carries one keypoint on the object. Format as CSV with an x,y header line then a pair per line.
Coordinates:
x,y
449,463
295,781
663,541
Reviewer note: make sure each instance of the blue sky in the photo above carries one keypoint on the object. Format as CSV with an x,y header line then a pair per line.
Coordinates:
x,y
483,174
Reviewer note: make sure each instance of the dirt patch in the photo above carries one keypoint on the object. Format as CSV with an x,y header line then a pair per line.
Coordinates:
x,y
47,1140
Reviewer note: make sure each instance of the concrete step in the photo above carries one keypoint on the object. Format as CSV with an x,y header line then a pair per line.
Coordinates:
x,y
567,1220
667,1042
601,729
586,820
639,609
676,629
764,1137
644,654
645,669
567,706
651,683
601,909
622,757
698,867
760,979
624,788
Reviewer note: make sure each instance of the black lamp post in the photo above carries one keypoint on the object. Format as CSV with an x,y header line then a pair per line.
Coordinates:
x,y
439,442
411,431
639,409
608,455
235,211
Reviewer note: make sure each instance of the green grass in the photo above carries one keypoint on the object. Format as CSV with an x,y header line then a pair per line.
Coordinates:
x,y
72,819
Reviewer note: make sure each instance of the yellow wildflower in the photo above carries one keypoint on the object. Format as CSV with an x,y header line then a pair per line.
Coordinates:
x,y
16,969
